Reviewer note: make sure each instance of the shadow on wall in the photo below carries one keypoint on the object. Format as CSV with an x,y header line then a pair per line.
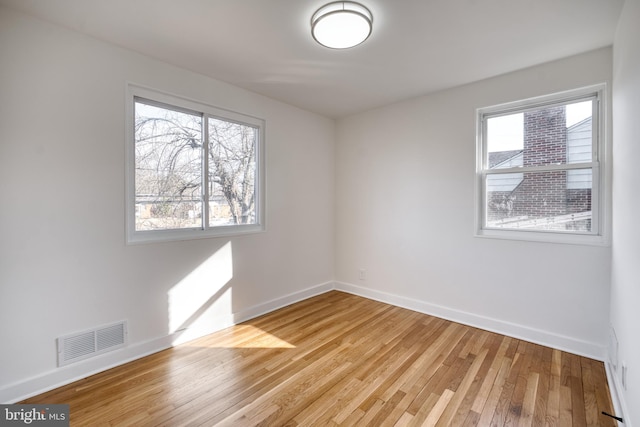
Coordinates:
x,y
202,297
202,303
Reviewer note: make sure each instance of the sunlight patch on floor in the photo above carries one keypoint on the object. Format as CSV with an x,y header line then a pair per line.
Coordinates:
x,y
241,336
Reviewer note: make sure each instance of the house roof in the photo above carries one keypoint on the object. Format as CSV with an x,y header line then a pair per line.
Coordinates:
x,y
579,124
501,156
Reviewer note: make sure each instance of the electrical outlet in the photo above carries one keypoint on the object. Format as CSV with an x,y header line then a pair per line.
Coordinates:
x,y
362,274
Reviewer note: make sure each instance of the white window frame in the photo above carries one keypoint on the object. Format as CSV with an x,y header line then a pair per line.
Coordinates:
x,y
599,193
133,236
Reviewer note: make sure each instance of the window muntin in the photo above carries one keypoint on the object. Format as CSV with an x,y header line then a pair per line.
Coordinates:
x,y
538,168
194,170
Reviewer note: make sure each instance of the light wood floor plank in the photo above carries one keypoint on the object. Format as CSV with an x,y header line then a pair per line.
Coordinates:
x,y
338,359
491,404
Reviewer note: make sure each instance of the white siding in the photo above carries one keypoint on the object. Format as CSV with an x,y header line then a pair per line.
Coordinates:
x,y
579,139
507,181
503,182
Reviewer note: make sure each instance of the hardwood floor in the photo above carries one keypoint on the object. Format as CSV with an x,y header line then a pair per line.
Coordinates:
x,y
338,359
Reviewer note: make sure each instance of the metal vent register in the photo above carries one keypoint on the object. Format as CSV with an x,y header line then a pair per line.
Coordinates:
x,y
83,345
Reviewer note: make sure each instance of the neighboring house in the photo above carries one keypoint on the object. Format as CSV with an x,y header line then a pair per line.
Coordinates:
x,y
502,160
579,150
563,197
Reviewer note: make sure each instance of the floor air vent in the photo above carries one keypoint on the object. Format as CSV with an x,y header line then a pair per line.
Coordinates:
x,y
83,345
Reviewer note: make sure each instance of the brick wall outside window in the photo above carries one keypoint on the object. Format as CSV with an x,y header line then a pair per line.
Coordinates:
x,y
543,195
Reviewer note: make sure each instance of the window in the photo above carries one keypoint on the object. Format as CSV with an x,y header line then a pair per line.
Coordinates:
x,y
539,171
193,170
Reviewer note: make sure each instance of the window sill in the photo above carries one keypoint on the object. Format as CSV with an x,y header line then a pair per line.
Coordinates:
x,y
544,237
159,236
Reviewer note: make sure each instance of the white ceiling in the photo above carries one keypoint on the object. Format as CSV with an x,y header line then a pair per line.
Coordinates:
x,y
417,46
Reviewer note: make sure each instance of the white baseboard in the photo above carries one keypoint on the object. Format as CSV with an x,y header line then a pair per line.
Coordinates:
x,y
231,319
64,375
546,338
269,306
58,377
619,403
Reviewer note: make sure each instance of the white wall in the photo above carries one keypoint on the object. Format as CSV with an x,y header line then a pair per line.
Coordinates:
x,y
64,264
625,286
405,214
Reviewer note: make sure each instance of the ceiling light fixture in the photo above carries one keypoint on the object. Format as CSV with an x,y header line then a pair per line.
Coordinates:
x,y
341,24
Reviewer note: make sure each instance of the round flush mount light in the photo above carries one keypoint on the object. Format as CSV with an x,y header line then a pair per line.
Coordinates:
x,y
341,24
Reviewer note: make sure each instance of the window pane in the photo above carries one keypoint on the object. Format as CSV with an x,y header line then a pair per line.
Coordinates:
x,y
541,137
168,164
554,200
232,173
